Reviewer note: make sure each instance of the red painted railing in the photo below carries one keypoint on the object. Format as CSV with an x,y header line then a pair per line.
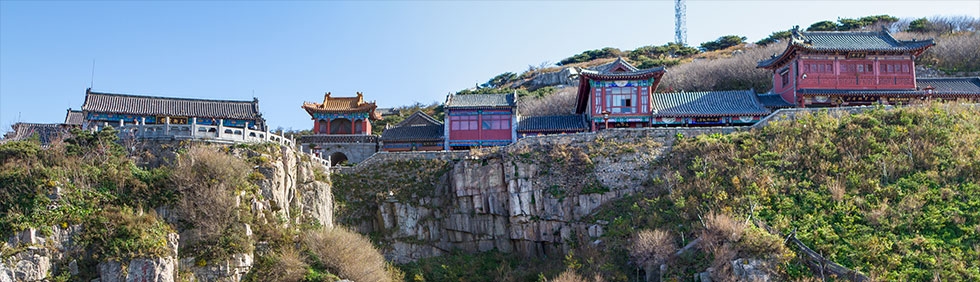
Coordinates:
x,y
856,82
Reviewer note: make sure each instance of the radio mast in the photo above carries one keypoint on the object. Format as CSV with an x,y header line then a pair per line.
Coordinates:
x,y
680,22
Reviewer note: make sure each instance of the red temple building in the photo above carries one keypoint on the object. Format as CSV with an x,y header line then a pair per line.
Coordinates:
x,y
479,120
342,115
831,68
341,129
617,94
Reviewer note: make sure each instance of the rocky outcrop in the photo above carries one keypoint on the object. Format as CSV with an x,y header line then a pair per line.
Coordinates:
x,y
531,198
565,76
291,184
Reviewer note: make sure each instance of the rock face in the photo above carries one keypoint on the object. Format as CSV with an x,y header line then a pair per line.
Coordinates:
x,y
562,77
291,185
530,198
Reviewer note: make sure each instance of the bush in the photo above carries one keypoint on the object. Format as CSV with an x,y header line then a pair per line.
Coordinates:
x,y
737,72
652,247
211,224
120,234
349,255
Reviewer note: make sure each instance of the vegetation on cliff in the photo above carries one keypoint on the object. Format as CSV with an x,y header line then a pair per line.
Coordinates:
x,y
891,193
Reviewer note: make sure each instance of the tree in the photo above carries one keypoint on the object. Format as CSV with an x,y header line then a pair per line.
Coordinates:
x,y
774,37
919,25
723,42
499,80
823,26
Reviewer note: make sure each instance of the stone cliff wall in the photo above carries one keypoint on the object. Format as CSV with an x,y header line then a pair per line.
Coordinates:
x,y
532,198
292,183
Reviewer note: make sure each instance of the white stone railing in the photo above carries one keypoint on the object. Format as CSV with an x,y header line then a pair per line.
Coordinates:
x,y
210,133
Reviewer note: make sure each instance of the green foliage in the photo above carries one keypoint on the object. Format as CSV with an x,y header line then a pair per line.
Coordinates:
x,y
357,195
499,80
590,55
823,26
845,24
723,42
488,266
774,37
120,234
919,25
891,193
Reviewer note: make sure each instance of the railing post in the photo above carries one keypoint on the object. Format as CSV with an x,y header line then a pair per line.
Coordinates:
x,y
142,127
193,127
266,134
245,132
166,127
221,130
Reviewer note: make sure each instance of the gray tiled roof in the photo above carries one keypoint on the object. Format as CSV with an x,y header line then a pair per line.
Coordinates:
x,y
418,118
844,41
951,85
713,103
619,62
47,132
413,133
74,117
563,123
854,40
774,101
481,100
149,105
417,127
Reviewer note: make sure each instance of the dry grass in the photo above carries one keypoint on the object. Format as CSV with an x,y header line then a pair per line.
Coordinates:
x,y
350,255
559,103
207,179
570,276
723,72
652,246
289,266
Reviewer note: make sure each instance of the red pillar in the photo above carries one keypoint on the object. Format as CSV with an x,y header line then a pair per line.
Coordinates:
x,y
328,126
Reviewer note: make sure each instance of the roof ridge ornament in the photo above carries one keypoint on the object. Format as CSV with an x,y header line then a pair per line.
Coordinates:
x,y
326,97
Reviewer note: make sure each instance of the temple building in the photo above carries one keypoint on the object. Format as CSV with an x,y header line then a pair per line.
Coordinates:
x,y
480,120
342,115
617,94
843,68
45,132
708,108
341,129
418,132
108,109
547,125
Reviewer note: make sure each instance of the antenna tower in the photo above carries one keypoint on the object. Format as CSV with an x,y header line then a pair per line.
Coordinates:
x,y
680,22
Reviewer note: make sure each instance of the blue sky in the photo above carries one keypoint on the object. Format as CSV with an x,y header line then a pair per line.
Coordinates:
x,y
396,52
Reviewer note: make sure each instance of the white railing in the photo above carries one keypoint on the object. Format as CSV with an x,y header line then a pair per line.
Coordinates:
x,y
210,133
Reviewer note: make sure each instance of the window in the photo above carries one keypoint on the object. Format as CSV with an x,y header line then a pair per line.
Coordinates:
x,y
496,122
785,78
620,99
463,122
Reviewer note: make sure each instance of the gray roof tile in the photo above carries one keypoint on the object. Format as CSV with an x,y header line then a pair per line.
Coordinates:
x,y
951,85
74,117
774,101
844,41
47,132
417,127
481,100
149,105
563,123
713,103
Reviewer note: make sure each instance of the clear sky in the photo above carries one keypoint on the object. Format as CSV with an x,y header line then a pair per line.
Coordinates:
x,y
396,52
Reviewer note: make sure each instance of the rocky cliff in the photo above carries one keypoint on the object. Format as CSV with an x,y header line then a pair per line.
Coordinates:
x,y
290,190
532,198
